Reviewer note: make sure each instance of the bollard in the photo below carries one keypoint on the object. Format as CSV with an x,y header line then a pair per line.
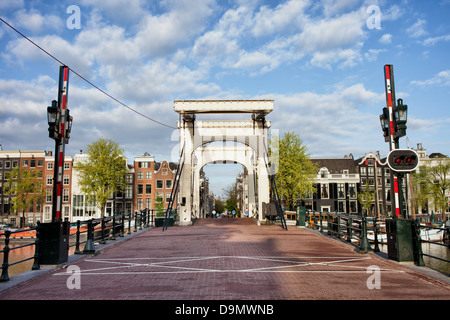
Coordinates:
x,y
349,229
113,228
36,248
77,241
417,244
89,246
135,222
122,228
103,241
5,276
364,246
375,234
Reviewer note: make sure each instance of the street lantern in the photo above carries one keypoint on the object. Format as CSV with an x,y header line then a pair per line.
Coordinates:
x,y
384,121
53,120
400,113
69,125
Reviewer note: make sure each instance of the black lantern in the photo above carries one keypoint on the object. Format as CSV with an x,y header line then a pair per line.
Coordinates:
x,y
53,120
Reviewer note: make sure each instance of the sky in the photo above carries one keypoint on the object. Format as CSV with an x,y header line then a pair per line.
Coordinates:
x,y
320,61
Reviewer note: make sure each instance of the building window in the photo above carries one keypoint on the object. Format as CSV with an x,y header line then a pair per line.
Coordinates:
x,y
129,178
148,203
140,189
148,175
140,204
168,184
341,191
159,184
341,206
353,207
47,213
352,190
40,163
139,175
363,170
49,165
24,163
167,197
129,192
164,171
65,195
148,188
48,195
324,191
66,180
370,171
66,165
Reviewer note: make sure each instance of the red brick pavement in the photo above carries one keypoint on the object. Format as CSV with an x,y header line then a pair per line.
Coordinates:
x,y
229,259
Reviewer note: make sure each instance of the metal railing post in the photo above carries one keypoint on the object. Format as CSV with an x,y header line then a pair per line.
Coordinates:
x,y
5,276
36,248
77,238
375,235
364,246
103,241
349,229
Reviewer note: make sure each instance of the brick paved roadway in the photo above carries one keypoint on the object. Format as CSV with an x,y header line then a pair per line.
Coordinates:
x,y
230,259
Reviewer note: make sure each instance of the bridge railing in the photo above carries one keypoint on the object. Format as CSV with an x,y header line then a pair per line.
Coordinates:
x,y
364,232
82,232
349,228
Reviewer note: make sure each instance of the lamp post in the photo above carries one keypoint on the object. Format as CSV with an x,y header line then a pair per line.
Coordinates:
x,y
54,236
59,127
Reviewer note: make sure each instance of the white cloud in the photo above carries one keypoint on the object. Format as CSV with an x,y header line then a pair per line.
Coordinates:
x,y
417,29
386,38
433,40
442,78
32,20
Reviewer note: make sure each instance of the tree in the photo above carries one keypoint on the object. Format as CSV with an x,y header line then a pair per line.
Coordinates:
x,y
103,173
367,198
219,206
231,202
26,189
159,205
432,182
295,173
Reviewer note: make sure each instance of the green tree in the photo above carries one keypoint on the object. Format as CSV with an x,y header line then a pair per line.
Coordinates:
x,y
295,173
367,197
103,173
159,205
432,182
26,189
231,202
219,206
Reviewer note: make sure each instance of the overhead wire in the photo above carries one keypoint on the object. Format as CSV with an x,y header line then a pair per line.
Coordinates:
x,y
83,78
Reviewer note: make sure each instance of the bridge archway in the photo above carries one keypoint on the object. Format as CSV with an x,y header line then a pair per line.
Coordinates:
x,y
195,151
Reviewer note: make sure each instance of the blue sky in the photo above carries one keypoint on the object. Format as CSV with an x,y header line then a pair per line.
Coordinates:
x,y
321,61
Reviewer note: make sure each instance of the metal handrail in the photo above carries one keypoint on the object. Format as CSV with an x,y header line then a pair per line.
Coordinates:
x,y
112,224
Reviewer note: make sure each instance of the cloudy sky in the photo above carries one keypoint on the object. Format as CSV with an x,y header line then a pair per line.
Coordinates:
x,y
321,61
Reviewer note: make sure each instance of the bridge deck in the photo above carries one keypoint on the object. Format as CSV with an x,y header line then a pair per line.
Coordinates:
x,y
231,259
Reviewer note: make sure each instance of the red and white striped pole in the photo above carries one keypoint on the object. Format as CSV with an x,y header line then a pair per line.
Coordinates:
x,y
60,143
390,102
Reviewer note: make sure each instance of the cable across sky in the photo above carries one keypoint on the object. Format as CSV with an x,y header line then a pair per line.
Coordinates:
x,y
83,78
